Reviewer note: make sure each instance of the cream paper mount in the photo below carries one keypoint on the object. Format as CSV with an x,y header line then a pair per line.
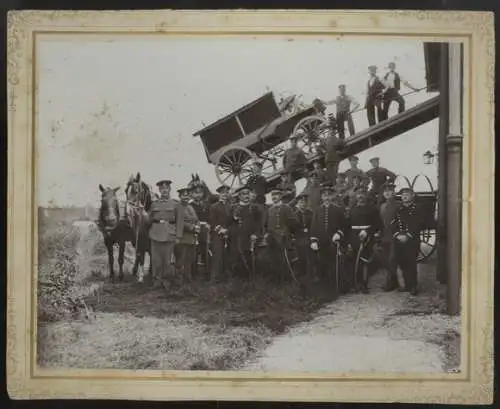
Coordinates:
x,y
474,384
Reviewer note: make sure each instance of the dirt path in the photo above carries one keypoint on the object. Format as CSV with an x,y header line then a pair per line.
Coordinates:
x,y
381,332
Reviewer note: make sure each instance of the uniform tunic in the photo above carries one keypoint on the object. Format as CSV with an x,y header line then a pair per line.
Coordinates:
x,y
313,187
334,147
294,159
326,221
202,210
220,217
167,226
363,217
246,222
379,176
185,249
289,191
302,238
407,221
279,223
351,173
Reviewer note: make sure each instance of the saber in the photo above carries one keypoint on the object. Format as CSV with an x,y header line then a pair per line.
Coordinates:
x,y
285,251
337,267
252,252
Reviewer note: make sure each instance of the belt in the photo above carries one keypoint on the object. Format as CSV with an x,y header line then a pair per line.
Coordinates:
x,y
165,221
360,227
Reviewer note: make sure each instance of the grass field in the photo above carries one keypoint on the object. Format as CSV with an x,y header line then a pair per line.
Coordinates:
x,y
201,327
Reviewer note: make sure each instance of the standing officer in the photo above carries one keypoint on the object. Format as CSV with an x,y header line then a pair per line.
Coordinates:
x,y
354,170
220,218
379,176
258,183
243,231
303,216
185,250
279,224
407,226
328,225
375,87
345,104
365,226
352,192
202,209
392,81
294,159
167,227
287,187
334,147
388,213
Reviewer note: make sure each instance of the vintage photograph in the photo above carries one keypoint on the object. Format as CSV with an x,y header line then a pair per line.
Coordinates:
x,y
249,203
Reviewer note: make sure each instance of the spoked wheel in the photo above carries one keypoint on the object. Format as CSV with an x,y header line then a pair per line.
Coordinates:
x,y
427,244
271,160
311,132
234,166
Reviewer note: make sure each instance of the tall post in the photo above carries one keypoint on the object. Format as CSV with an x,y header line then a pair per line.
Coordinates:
x,y
442,193
454,180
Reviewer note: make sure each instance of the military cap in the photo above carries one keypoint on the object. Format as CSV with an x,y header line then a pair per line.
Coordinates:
x,y
164,182
304,195
353,158
243,188
276,191
184,190
342,175
341,85
372,67
406,190
223,188
375,158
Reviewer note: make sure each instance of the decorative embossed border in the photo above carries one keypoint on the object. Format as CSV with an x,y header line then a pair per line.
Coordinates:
x,y
474,385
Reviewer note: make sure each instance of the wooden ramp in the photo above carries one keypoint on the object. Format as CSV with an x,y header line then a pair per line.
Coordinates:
x,y
382,132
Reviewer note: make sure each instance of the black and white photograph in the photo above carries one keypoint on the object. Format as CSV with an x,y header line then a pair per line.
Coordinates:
x,y
249,204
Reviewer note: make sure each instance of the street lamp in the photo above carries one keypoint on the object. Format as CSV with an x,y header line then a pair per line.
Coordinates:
x,y
428,157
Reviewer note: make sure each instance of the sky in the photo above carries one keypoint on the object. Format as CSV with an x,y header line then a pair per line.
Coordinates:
x,y
109,108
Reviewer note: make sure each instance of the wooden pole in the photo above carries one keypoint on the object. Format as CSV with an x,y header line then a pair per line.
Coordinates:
x,y
443,133
454,180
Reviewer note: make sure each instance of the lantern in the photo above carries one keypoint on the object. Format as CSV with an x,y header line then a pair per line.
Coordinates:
x,y
428,158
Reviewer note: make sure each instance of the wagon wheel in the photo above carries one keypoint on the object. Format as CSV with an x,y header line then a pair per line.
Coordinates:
x,y
427,244
235,166
313,131
271,160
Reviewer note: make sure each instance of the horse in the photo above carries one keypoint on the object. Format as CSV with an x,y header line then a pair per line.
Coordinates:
x,y
115,230
139,199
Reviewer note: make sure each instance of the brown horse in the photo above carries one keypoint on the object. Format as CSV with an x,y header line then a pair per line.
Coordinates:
x,y
138,202
114,229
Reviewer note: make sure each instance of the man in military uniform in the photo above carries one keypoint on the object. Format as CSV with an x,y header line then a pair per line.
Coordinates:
x,y
354,171
287,187
258,183
279,224
379,176
366,225
202,209
352,192
329,226
167,227
220,218
388,213
294,159
243,232
185,250
303,216
334,147
373,103
407,227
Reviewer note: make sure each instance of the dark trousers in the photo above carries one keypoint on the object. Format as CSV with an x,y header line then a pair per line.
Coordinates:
x,y
218,257
343,117
161,256
406,259
371,107
326,267
392,94
332,168
278,264
184,258
361,270
390,265
303,256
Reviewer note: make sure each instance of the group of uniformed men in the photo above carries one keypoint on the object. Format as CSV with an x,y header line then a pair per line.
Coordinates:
x,y
294,237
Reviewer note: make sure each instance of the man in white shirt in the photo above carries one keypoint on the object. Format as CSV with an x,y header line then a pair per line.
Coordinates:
x,y
345,105
392,82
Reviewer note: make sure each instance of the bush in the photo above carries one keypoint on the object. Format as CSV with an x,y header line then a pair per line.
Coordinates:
x,y
58,272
